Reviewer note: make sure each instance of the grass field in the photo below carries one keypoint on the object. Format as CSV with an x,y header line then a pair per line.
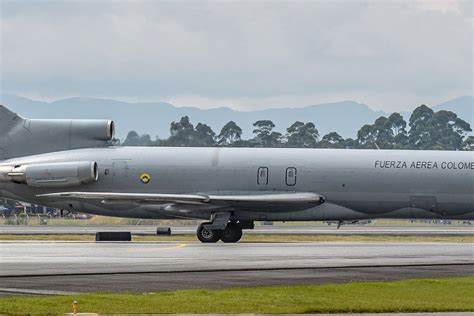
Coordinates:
x,y
258,238
423,295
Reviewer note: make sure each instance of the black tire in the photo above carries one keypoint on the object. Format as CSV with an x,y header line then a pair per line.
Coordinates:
x,y
208,235
232,233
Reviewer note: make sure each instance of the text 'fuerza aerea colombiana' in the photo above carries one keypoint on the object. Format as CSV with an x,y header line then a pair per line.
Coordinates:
x,y
400,164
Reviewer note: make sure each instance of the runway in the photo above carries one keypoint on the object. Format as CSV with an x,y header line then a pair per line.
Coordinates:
x,y
444,230
67,267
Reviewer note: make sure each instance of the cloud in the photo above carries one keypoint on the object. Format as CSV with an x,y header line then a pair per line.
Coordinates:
x,y
439,6
245,54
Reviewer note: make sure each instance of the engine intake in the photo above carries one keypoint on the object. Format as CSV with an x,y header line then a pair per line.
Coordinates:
x,y
51,175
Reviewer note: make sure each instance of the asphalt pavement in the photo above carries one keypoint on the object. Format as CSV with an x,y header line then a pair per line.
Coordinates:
x,y
66,267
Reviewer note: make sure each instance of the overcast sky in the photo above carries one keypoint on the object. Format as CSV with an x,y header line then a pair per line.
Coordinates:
x,y
391,55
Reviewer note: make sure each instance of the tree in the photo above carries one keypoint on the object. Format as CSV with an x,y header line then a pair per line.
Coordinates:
x,y
304,135
204,136
133,139
265,137
145,140
397,124
468,144
385,133
351,143
332,140
230,134
251,143
419,136
447,130
399,136
182,133
381,133
441,130
366,137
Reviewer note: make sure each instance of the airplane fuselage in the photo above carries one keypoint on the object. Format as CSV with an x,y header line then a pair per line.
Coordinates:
x,y
355,184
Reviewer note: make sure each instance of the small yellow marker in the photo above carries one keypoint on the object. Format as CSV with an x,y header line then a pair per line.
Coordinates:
x,y
74,307
145,178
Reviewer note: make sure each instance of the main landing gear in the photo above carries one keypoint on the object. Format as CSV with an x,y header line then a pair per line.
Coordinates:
x,y
232,233
221,228
208,235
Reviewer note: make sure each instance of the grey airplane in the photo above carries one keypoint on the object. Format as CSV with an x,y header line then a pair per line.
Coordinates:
x,y
71,165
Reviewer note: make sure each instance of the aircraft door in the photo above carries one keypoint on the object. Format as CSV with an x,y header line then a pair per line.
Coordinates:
x,y
290,176
428,203
262,178
120,171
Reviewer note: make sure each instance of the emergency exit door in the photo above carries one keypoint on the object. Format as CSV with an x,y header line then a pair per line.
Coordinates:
x,y
262,178
120,171
290,176
428,203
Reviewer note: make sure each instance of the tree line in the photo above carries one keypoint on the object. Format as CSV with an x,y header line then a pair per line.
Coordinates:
x,y
426,129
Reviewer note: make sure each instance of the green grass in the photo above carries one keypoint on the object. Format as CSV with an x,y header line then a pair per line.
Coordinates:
x,y
258,238
421,295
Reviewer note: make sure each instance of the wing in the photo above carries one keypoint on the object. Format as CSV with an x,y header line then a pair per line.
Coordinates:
x,y
284,200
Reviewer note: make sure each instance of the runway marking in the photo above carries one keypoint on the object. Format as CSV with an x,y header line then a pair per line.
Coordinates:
x,y
173,247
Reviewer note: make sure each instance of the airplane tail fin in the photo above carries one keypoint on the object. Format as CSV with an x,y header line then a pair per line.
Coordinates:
x,y
8,120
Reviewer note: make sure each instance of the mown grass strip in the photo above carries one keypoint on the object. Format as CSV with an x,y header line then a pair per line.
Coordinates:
x,y
420,295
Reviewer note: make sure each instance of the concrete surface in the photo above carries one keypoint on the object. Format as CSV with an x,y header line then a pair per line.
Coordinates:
x,y
151,266
40,258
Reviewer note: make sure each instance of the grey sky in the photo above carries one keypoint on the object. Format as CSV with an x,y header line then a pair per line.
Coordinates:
x,y
392,55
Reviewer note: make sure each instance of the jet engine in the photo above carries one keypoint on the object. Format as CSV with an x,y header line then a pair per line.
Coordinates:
x,y
51,175
24,137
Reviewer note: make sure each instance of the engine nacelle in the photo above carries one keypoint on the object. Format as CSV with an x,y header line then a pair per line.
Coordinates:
x,y
24,137
51,175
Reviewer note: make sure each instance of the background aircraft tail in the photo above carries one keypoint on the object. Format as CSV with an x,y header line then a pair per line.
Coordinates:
x,y
9,122
8,119
24,137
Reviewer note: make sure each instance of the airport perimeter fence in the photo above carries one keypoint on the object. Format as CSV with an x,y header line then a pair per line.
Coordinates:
x,y
85,220
89,220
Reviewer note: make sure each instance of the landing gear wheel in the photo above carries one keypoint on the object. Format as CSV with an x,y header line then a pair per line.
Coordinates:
x,y
232,233
208,235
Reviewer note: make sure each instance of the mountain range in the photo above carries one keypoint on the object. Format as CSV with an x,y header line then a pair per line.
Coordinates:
x,y
345,117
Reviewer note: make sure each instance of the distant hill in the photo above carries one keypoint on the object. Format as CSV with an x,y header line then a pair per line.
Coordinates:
x,y
462,106
344,117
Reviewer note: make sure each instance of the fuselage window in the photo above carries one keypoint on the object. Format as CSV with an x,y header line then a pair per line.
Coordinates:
x,y
291,176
